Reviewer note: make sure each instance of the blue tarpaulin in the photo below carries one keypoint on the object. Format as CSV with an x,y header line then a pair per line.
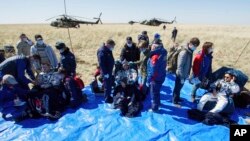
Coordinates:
x,y
96,120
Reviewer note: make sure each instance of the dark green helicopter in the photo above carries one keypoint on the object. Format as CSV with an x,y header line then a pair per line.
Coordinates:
x,y
154,22
66,21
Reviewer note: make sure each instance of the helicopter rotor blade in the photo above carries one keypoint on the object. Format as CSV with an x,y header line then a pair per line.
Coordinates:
x,y
65,8
53,17
81,17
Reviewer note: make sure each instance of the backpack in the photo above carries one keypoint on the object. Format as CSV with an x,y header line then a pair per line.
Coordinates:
x,y
173,59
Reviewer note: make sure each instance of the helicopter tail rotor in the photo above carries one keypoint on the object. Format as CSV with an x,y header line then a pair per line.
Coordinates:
x,y
99,18
174,21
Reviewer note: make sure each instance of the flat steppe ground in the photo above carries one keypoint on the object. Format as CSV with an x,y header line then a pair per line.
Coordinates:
x,y
229,41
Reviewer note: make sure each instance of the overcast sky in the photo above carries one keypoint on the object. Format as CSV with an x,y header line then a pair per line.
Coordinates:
x,y
229,12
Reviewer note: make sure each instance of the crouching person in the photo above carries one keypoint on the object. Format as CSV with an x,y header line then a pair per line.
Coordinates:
x,y
127,95
12,98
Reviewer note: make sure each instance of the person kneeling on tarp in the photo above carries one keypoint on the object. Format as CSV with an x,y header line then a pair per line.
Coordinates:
x,y
223,91
12,98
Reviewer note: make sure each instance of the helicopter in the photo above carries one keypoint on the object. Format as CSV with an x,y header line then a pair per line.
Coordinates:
x,y
153,22
66,21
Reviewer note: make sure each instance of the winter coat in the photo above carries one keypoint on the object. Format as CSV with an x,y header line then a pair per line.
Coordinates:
x,y
156,65
49,54
142,63
68,62
184,62
23,47
17,66
202,65
106,60
130,53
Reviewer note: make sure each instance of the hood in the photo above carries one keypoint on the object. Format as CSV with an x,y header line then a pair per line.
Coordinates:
x,y
66,51
159,50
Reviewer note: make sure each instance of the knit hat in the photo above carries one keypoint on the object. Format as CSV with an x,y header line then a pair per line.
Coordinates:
x,y
157,36
60,45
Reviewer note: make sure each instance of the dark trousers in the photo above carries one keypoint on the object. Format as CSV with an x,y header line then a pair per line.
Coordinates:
x,y
107,83
195,88
144,87
177,89
155,88
74,92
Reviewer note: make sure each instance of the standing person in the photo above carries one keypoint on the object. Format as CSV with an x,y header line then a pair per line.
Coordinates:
x,y
44,51
156,68
174,34
202,66
164,27
184,64
67,59
9,51
130,52
106,63
143,37
142,65
23,45
68,64
17,66
157,36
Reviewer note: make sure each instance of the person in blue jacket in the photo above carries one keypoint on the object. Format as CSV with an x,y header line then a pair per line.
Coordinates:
x,y
17,66
67,60
11,96
156,70
68,64
106,63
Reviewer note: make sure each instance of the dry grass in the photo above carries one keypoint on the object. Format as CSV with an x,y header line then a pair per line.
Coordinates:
x,y
229,41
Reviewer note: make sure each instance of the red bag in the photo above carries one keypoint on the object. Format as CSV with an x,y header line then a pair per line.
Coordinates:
x,y
79,82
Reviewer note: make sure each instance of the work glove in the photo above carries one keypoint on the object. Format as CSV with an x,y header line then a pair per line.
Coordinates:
x,y
106,76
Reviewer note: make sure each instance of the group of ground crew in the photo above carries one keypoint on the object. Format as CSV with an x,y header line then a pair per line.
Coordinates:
x,y
141,69
150,62
55,84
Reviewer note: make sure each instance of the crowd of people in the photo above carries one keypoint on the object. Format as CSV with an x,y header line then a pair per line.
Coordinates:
x,y
140,70
147,65
49,86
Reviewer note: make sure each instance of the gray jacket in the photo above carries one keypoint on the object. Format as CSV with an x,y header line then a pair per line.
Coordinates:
x,y
23,47
184,63
49,52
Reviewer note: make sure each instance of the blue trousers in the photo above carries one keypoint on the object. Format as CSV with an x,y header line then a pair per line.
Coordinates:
x,y
107,83
155,88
